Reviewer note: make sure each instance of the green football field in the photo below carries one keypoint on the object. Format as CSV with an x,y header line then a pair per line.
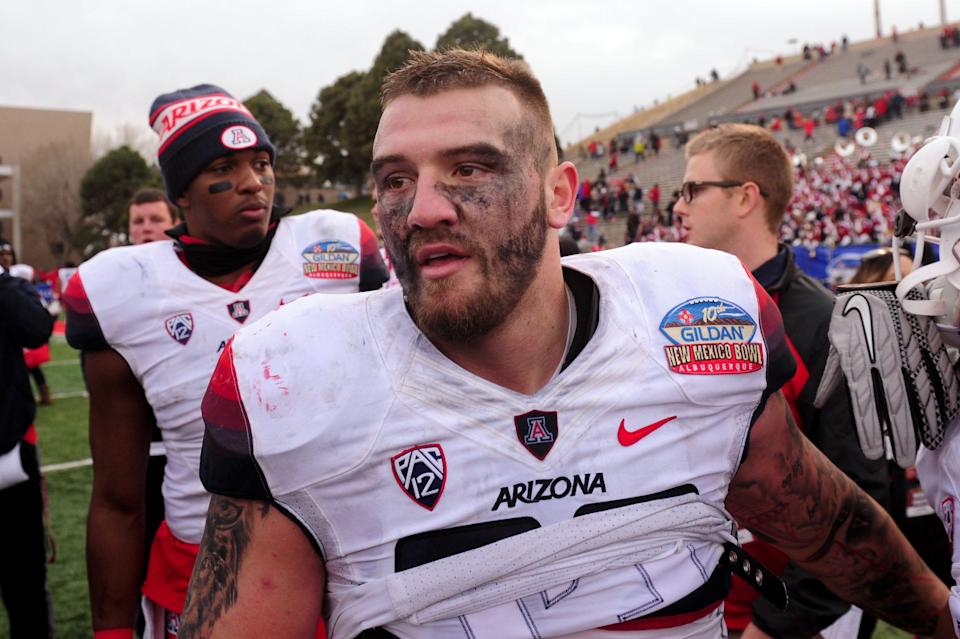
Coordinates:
x,y
62,430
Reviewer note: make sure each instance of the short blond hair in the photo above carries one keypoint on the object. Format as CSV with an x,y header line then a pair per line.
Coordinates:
x,y
748,153
428,73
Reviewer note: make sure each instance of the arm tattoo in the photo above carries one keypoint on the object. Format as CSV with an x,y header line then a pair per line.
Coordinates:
x,y
824,522
213,586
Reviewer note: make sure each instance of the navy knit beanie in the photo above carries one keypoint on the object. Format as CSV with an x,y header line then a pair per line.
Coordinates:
x,y
198,125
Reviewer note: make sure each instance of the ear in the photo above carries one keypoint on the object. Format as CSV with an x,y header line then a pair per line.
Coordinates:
x,y
183,202
751,200
561,191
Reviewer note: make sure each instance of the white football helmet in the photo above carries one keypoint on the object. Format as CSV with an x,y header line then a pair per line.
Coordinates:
x,y
930,195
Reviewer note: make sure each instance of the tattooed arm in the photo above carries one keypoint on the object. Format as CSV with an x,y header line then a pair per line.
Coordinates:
x,y
787,493
257,575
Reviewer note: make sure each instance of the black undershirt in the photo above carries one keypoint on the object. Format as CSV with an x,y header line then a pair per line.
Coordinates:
x,y
214,260
586,298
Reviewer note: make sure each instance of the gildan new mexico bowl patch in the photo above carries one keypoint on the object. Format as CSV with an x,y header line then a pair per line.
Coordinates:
x,y
711,336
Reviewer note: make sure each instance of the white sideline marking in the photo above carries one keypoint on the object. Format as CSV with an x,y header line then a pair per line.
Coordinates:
x,y
156,449
80,463
69,395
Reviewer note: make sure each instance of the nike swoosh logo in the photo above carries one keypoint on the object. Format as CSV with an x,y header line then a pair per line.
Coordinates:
x,y
631,437
860,304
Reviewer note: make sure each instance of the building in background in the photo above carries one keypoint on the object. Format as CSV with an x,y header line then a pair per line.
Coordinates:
x,y
51,150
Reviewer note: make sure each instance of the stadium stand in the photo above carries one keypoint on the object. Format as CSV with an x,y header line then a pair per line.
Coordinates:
x,y
817,84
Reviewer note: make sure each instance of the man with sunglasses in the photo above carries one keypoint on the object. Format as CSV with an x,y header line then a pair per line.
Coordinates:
x,y
736,189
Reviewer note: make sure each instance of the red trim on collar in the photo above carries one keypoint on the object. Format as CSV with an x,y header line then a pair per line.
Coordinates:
x,y
189,239
233,286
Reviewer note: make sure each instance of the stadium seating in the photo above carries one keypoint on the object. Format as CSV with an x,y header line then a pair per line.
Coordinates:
x,y
818,83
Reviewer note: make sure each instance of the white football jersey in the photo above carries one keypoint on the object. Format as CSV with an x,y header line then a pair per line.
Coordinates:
x,y
170,325
939,473
393,458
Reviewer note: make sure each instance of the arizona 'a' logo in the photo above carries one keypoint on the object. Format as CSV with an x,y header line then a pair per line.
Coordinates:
x,y
537,431
180,327
947,515
239,310
421,472
238,137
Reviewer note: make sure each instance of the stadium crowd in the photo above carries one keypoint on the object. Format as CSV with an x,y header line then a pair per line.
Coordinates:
x,y
836,202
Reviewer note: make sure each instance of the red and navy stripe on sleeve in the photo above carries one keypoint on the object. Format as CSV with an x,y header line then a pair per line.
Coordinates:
x,y
781,366
373,272
83,327
227,463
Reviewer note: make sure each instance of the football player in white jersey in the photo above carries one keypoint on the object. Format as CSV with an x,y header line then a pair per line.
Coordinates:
x,y
152,319
454,467
911,328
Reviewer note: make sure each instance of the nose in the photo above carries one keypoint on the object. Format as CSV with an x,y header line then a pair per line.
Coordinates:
x,y
430,206
680,208
249,180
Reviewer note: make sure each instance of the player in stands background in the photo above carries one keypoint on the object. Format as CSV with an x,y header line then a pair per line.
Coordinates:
x,y
152,319
736,188
590,415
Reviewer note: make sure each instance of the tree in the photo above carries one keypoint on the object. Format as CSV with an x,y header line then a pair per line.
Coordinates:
x,y
51,200
363,106
105,190
138,137
284,131
329,147
393,54
344,117
472,33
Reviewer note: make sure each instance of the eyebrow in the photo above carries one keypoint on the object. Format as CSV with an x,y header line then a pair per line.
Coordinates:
x,y
481,150
379,163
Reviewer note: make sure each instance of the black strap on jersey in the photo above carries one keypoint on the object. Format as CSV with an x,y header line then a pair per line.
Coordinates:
x,y
586,297
739,562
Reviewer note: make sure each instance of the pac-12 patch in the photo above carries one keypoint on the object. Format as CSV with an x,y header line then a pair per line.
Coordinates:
x,y
421,472
180,327
711,336
331,260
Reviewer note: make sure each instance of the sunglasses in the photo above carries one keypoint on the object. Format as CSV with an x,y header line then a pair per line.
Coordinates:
x,y
689,190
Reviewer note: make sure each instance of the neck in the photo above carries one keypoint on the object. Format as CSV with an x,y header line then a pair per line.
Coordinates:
x,y
227,279
756,250
525,350
218,263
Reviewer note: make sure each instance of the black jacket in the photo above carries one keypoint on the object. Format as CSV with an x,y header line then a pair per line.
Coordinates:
x,y
806,307
24,323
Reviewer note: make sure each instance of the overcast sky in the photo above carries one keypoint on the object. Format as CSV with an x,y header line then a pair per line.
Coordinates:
x,y
596,59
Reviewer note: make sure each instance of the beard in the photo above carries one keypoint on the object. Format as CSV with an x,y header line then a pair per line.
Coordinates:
x,y
508,264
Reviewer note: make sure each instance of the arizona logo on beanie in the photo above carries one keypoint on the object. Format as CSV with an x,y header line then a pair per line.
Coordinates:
x,y
198,125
